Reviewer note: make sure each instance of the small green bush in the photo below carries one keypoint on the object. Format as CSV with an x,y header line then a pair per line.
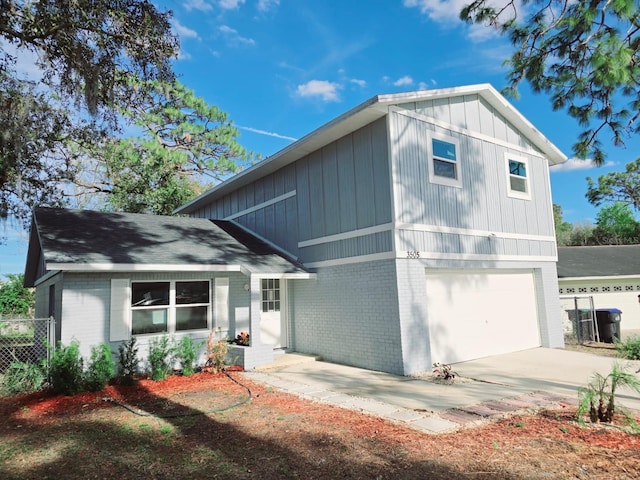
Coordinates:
x,y
160,352
23,377
66,370
630,348
127,361
186,353
101,368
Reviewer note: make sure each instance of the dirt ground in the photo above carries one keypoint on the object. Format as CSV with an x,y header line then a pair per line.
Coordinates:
x,y
209,426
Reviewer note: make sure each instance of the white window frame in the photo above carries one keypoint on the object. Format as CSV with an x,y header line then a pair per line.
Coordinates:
x,y
172,308
526,195
433,178
265,302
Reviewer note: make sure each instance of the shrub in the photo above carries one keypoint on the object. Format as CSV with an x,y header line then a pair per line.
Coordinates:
x,y
216,353
598,397
101,368
66,369
160,351
186,353
127,361
23,377
630,348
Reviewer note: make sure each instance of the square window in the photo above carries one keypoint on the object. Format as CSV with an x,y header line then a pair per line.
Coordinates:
x,y
191,318
149,321
444,168
518,177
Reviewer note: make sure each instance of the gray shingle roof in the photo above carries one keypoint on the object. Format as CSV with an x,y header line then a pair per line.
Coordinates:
x,y
77,237
599,261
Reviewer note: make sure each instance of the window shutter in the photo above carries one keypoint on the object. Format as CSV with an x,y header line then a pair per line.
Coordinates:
x,y
221,308
120,313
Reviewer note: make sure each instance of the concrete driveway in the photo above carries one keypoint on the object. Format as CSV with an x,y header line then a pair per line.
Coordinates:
x,y
489,387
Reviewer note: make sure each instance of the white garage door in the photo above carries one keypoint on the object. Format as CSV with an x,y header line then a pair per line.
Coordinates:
x,y
478,314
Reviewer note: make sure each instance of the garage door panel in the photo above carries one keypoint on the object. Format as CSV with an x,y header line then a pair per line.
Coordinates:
x,y
473,315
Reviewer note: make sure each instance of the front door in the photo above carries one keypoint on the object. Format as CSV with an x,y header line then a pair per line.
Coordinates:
x,y
272,318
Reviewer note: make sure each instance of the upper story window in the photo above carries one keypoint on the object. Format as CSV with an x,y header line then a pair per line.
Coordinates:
x,y
518,177
169,307
444,160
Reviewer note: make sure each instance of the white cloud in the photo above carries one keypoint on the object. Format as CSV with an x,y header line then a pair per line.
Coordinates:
x,y
578,164
182,55
447,12
423,86
200,5
182,31
403,81
328,91
438,10
230,4
268,134
234,38
264,5
360,83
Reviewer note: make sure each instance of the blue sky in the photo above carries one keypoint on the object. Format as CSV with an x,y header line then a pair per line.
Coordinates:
x,y
281,68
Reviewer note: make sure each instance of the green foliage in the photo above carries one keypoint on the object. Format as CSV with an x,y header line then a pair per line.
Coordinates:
x,y
563,229
629,348
127,361
101,368
598,397
15,299
23,377
186,353
83,50
66,369
216,353
160,352
584,54
617,187
185,146
616,225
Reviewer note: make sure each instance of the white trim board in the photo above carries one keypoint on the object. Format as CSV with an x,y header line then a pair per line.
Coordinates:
x,y
346,235
466,132
417,227
606,277
262,205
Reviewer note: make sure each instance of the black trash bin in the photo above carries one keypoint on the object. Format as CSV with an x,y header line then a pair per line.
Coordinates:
x,y
609,324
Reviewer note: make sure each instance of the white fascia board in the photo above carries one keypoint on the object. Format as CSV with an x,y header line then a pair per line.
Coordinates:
x,y
361,115
496,100
141,267
601,277
286,276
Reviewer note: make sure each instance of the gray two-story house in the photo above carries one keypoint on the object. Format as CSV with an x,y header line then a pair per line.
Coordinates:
x,y
415,228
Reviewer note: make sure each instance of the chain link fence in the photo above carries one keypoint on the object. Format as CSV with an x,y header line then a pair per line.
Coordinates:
x,y
25,339
579,320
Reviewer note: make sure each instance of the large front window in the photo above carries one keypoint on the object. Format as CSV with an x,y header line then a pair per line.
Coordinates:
x,y
168,307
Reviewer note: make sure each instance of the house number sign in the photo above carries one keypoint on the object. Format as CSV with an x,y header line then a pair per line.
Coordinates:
x,y
413,254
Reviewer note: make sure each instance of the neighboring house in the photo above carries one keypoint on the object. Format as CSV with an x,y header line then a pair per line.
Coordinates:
x,y
425,217
610,274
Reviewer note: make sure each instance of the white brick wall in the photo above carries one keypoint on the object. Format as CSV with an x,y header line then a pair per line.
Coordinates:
x,y
349,314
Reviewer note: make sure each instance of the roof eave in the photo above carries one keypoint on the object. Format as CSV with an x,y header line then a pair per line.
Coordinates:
x,y
363,114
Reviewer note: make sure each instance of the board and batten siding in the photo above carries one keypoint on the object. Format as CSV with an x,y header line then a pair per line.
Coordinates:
x,y
440,218
343,187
